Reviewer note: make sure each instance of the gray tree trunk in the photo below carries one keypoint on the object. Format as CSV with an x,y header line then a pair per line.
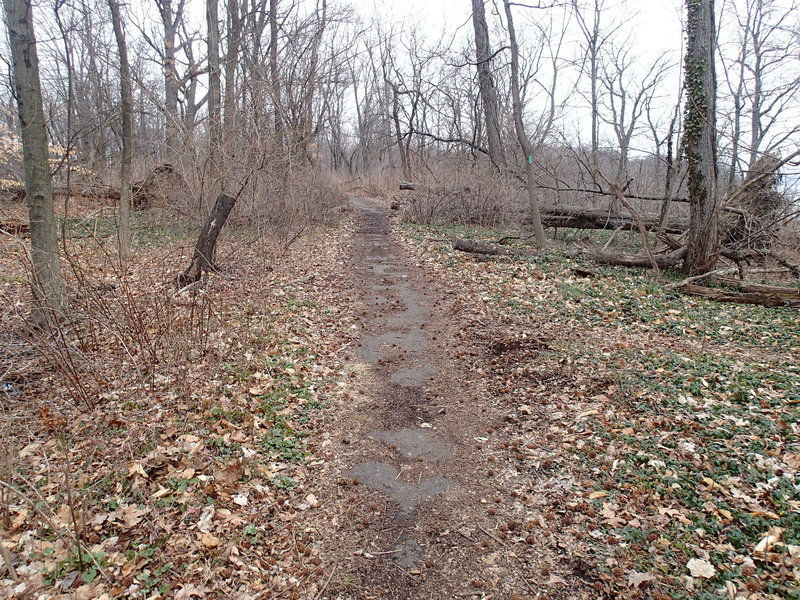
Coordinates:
x,y
47,285
124,231
700,141
275,80
486,84
169,20
235,25
216,168
524,142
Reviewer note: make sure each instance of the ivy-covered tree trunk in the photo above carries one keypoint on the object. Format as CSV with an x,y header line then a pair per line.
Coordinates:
x,y
699,136
47,285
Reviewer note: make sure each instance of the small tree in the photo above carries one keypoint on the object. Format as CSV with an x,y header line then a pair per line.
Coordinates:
x,y
524,142
124,232
47,285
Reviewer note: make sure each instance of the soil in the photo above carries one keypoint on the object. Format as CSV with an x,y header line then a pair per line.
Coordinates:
x,y
422,502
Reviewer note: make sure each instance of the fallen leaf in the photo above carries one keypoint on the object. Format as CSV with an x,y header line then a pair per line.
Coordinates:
x,y
189,591
701,568
229,474
768,541
137,469
132,515
240,499
204,522
636,579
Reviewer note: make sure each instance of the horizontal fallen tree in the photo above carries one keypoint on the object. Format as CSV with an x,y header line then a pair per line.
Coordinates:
x,y
664,261
768,299
474,247
580,218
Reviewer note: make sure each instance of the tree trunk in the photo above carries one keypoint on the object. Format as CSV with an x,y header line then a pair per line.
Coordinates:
x,y
486,83
168,23
700,138
124,231
203,257
235,25
47,285
273,70
524,142
216,168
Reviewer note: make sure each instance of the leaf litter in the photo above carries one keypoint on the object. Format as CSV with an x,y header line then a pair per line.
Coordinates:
x,y
649,440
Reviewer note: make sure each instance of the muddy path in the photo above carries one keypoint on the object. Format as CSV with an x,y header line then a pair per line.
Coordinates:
x,y
421,508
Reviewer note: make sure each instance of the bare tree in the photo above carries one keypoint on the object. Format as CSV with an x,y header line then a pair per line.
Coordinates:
x,y
126,108
483,57
524,142
215,163
762,79
170,21
47,285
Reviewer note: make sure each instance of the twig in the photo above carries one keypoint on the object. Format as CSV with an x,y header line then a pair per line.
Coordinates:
x,y
8,560
688,280
495,538
325,585
611,238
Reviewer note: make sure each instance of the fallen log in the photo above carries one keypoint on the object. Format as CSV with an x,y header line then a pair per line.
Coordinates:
x,y
762,299
760,288
579,218
664,261
474,247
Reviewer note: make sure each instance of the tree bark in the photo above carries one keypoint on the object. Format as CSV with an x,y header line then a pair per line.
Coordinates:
x,y
169,23
47,285
203,257
486,83
216,168
664,261
769,300
235,25
581,218
474,247
524,142
124,228
275,81
700,138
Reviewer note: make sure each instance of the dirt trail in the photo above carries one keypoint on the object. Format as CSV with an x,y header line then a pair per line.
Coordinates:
x,y
419,511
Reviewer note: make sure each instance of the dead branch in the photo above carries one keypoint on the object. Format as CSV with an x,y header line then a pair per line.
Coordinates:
x,y
639,224
664,261
761,299
474,247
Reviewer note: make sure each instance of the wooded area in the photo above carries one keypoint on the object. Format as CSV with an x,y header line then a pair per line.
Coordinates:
x,y
174,175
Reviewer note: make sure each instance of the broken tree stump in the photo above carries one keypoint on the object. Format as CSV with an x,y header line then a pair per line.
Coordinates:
x,y
202,259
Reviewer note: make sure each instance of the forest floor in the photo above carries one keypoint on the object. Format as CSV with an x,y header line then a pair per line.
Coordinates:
x,y
374,415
